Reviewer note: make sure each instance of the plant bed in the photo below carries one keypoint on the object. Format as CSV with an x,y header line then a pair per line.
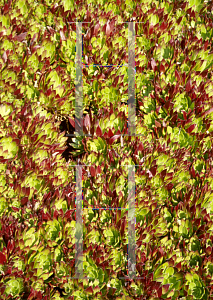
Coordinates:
x,y
171,154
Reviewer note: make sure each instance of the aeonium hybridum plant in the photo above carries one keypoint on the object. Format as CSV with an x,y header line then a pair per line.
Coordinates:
x,y
172,157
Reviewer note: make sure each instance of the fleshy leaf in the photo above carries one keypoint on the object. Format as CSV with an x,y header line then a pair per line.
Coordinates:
x,y
2,258
63,38
189,130
99,131
108,29
112,139
92,171
20,37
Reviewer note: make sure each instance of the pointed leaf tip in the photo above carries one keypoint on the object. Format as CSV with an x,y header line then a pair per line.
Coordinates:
x,y
110,133
153,63
108,29
165,288
63,38
2,258
112,139
177,75
92,171
97,26
188,85
99,131
72,122
4,56
192,127
24,201
159,292
157,124
89,290
87,121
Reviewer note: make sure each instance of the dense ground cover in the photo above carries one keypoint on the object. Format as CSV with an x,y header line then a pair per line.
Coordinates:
x,y
172,157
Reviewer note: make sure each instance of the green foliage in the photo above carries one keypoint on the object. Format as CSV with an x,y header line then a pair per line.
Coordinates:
x,y
3,205
196,286
173,63
8,148
112,237
14,287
